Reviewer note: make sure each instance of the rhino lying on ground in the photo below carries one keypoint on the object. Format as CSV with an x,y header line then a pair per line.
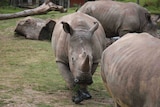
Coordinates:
x,y
131,70
35,28
78,41
119,18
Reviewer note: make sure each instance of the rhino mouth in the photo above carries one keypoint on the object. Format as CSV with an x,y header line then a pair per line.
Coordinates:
x,y
83,80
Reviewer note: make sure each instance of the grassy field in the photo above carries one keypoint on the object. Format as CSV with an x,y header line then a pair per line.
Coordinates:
x,y
29,76
28,73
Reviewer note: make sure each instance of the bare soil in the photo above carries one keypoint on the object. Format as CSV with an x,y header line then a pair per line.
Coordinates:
x,y
32,98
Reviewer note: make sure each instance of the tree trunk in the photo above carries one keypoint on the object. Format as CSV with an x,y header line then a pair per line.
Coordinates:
x,y
42,9
35,28
137,1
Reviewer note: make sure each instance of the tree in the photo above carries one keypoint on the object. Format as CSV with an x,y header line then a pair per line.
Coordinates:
x,y
4,2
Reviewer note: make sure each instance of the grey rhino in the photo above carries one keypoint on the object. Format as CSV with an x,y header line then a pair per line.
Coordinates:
x,y
131,70
78,41
35,28
118,18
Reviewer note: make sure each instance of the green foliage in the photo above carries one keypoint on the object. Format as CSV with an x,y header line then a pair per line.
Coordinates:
x,y
4,3
9,9
152,5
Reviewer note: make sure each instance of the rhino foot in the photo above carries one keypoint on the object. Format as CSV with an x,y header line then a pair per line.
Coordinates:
x,y
81,95
77,99
86,95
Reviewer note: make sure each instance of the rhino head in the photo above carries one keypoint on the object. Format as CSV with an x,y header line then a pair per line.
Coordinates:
x,y
80,53
151,26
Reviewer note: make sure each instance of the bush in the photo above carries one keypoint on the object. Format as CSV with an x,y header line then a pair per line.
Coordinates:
x,y
4,2
151,3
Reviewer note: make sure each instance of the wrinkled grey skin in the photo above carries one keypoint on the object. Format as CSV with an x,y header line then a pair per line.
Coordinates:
x,y
131,70
78,41
119,18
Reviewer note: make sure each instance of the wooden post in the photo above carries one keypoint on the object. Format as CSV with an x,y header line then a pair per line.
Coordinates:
x,y
68,3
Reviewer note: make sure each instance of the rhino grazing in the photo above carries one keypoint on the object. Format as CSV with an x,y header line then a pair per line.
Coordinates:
x,y
78,41
119,18
131,70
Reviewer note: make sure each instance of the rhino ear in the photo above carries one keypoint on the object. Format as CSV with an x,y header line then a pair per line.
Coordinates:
x,y
67,28
85,64
94,28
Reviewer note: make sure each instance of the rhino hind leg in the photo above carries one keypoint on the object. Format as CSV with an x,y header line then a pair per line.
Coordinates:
x,y
66,74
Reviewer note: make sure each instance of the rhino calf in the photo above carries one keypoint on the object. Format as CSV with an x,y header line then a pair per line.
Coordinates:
x,y
78,41
118,18
130,70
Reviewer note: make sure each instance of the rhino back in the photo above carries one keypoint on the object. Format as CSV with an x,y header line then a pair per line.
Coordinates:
x,y
77,21
132,72
115,16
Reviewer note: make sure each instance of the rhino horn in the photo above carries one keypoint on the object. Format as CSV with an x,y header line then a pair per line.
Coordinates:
x,y
94,28
85,64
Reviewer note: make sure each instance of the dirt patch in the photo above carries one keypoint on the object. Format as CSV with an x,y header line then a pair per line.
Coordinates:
x,y
32,98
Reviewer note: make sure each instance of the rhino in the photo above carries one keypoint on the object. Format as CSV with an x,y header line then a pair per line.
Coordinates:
x,y
78,41
118,18
35,28
130,70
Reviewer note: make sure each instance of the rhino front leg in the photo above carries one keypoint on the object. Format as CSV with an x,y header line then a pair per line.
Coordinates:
x,y
84,92
81,94
66,74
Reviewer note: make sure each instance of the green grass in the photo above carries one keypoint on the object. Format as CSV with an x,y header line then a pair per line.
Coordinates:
x,y
29,74
43,105
9,9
